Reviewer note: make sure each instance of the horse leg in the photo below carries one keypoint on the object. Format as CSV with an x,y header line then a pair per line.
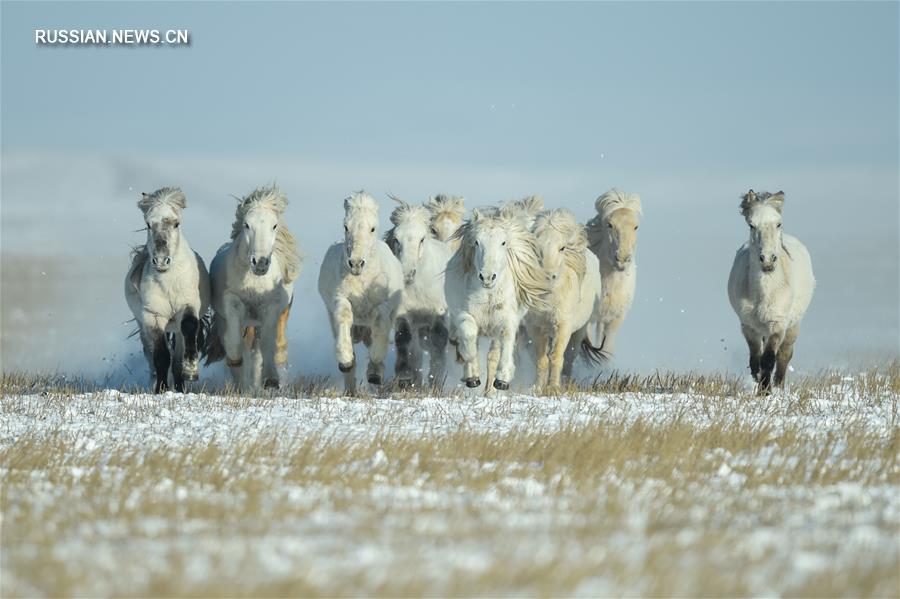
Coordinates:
x,y
190,359
341,323
380,341
541,343
767,362
233,337
493,358
507,369
403,337
608,340
557,355
467,346
754,344
156,347
281,344
437,343
785,353
177,361
268,346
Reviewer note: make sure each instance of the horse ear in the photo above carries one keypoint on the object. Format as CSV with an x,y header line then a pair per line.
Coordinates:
x,y
476,214
776,200
746,202
346,203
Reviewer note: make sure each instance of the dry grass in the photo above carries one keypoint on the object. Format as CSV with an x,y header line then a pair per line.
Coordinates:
x,y
713,491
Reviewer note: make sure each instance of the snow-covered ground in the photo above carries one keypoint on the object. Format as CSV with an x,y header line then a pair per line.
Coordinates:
x,y
108,493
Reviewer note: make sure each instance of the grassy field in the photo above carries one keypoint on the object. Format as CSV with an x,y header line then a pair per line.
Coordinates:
x,y
662,485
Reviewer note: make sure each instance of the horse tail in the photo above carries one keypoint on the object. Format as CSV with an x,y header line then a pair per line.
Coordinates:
x,y
213,348
593,354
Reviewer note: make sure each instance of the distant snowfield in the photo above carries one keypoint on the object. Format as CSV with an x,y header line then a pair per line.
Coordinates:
x,y
109,493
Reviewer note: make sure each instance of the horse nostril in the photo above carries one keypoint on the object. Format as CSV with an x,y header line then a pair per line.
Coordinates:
x,y
774,257
168,260
494,277
362,263
350,263
253,260
762,258
481,276
412,273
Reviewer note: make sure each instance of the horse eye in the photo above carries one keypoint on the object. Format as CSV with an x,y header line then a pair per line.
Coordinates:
x,y
247,226
504,243
562,249
609,225
434,232
274,227
779,225
635,227
422,240
177,225
346,229
373,229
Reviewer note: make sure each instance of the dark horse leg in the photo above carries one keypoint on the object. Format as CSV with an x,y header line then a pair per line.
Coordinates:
x,y
156,346
754,344
190,330
767,363
403,338
785,353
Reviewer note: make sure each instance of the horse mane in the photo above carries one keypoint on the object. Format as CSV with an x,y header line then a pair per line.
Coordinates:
x,y
454,206
405,213
564,221
614,199
272,198
521,253
528,207
171,196
775,200
360,201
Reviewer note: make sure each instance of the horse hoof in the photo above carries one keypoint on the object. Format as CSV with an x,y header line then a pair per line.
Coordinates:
x,y
270,384
471,383
404,383
374,379
346,366
191,375
234,363
500,385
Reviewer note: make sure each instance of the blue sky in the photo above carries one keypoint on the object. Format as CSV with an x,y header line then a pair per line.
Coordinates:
x,y
655,86
688,104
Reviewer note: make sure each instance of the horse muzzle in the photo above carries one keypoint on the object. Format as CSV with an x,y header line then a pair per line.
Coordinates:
x,y
356,266
260,266
161,263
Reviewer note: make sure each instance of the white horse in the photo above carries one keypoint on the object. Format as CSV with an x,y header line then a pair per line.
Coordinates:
x,y
447,213
492,280
361,283
167,289
422,315
573,274
612,237
253,286
770,287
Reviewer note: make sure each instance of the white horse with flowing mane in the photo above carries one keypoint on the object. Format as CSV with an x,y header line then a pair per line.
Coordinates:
x,y
361,283
770,287
447,214
612,237
253,287
422,315
573,274
167,289
492,280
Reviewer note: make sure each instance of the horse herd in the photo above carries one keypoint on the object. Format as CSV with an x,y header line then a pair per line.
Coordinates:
x,y
526,278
